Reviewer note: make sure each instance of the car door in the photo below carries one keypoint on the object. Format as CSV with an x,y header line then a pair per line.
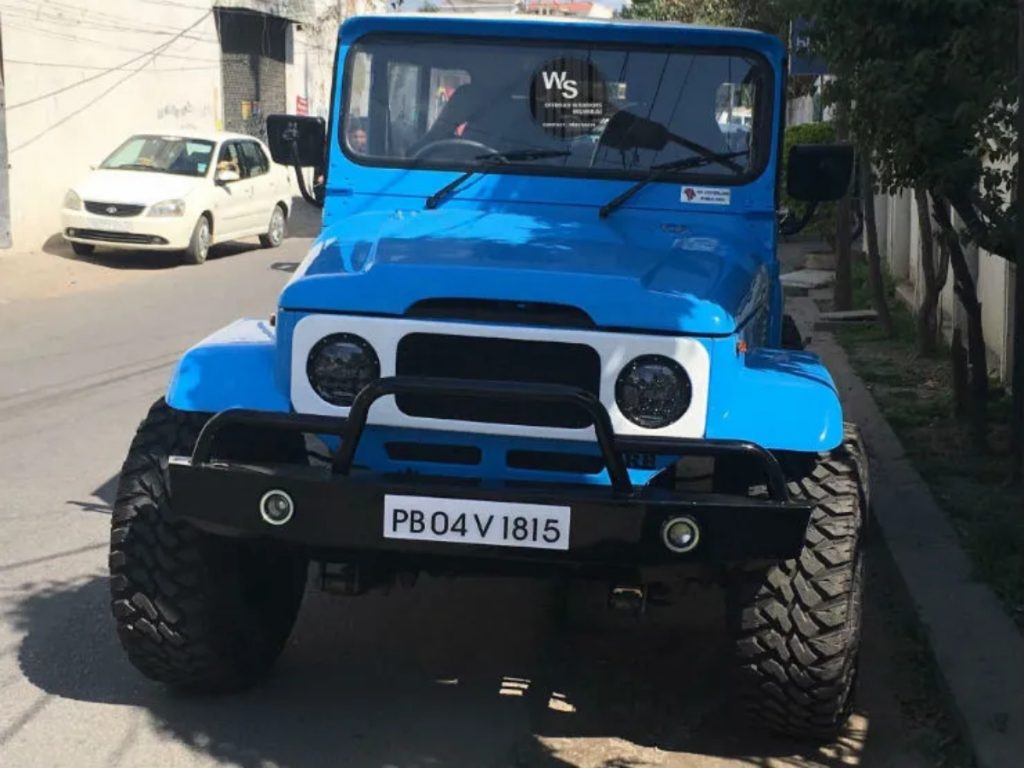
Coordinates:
x,y
256,168
233,197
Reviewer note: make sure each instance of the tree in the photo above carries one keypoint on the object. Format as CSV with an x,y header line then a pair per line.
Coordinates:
x,y
429,7
931,84
766,15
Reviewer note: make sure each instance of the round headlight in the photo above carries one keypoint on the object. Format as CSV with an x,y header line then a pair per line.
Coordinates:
x,y
340,365
653,391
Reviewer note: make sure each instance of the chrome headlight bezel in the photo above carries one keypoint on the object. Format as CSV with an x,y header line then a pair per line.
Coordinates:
x,y
72,201
342,351
167,208
653,391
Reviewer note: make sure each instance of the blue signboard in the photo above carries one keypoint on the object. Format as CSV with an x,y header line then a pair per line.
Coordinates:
x,y
802,59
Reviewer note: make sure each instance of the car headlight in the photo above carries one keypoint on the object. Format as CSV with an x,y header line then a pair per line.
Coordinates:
x,y
168,208
653,391
340,365
72,201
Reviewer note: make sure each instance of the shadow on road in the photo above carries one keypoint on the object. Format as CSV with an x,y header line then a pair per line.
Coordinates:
x,y
452,673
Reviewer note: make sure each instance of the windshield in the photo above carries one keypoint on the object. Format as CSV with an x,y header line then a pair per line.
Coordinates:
x,y
418,101
162,154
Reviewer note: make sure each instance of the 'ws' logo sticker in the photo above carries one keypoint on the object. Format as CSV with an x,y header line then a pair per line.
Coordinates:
x,y
567,97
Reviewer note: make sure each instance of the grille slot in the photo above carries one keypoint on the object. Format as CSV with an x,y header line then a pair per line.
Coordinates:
x,y
554,461
439,453
489,359
502,312
119,209
103,235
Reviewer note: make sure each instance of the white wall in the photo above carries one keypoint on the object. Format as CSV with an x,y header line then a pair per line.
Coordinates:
x,y
81,76
902,250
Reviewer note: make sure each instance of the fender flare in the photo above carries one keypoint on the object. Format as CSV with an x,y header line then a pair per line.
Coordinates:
x,y
780,399
232,368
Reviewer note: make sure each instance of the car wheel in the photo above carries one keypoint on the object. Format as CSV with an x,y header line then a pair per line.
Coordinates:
x,y
82,249
199,246
275,230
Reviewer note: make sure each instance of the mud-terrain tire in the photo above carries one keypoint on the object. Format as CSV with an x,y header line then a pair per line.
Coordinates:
x,y
193,610
797,623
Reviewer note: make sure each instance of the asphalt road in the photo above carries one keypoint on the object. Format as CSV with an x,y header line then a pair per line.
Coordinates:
x,y
451,673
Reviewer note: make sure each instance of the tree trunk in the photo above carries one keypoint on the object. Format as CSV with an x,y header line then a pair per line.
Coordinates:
x,y
934,279
958,364
842,296
967,294
878,298
1017,377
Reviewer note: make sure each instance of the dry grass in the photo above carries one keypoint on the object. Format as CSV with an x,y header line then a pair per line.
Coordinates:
x,y
915,394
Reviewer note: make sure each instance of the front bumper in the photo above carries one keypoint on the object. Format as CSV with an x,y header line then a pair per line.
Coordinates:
x,y
165,233
341,510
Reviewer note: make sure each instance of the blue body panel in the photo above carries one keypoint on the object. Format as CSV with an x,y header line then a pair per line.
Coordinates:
x,y
233,368
659,265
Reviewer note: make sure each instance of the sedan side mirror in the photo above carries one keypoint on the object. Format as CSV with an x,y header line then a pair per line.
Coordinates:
x,y
225,176
819,173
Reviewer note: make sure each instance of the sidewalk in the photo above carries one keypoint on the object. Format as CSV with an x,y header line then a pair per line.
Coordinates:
x,y
978,651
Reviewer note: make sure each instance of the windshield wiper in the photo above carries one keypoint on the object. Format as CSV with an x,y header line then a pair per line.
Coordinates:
x,y
492,158
657,171
134,167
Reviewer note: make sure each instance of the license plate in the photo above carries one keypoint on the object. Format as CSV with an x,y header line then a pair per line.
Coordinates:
x,y
468,521
109,224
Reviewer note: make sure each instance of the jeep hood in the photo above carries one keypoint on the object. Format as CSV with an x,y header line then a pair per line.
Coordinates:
x,y
632,270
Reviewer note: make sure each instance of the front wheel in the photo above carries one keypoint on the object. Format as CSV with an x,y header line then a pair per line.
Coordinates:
x,y
199,244
275,229
193,610
797,623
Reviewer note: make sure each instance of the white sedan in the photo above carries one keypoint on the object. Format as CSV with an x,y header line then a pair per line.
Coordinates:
x,y
179,193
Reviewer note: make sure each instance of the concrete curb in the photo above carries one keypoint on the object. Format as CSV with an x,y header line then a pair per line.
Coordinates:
x,y
978,650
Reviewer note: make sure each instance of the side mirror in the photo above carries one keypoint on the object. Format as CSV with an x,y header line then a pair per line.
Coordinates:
x,y
225,176
297,140
628,131
819,173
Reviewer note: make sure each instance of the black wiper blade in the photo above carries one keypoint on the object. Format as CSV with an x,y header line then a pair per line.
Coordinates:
x,y
492,158
657,171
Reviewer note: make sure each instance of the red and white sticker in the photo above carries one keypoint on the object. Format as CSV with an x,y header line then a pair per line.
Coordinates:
x,y
706,195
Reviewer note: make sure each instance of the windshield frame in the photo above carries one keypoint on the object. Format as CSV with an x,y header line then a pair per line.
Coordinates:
x,y
764,113
214,145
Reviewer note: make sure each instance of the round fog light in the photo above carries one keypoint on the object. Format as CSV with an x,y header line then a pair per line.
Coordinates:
x,y
680,534
276,507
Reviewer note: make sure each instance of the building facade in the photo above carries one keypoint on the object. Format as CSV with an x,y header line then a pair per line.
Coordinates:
x,y
79,77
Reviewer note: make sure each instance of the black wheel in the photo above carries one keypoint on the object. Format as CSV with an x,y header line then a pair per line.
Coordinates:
x,y
82,249
275,229
791,338
797,624
199,246
193,610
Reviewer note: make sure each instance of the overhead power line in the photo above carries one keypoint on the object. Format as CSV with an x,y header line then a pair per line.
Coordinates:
x,y
152,54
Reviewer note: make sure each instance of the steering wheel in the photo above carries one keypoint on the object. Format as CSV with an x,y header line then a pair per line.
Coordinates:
x,y
435,146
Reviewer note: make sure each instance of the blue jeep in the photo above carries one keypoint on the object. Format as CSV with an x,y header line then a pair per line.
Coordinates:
x,y
541,333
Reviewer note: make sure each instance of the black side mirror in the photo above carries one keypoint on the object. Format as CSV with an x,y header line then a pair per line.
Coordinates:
x,y
297,140
819,173
628,131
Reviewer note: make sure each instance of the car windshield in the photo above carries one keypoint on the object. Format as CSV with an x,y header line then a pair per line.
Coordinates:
x,y
162,154
417,101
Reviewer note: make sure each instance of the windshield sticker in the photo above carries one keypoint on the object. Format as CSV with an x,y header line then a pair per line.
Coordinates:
x,y
567,97
706,195
201,167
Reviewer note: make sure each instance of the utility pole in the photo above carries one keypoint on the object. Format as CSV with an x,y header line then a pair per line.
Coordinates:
x,y
1017,379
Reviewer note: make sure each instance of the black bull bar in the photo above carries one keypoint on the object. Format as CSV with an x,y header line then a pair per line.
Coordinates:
x,y
340,510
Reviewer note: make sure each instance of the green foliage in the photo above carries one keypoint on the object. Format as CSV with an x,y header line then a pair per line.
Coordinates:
x,y
429,7
824,223
765,15
931,84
